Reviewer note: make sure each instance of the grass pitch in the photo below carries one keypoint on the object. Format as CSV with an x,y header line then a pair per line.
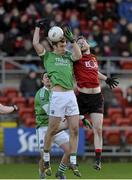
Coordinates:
x,y
30,171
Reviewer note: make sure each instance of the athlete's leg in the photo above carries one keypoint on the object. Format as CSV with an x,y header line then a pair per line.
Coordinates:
x,y
63,125
53,127
56,112
97,119
40,133
41,167
65,158
72,116
64,162
62,140
73,124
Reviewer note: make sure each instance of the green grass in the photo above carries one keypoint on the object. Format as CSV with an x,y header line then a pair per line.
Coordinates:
x,y
30,171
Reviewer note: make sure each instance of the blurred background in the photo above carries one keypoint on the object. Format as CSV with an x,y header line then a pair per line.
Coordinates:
x,y
107,25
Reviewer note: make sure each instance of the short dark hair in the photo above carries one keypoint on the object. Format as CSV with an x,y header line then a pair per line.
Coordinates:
x,y
80,37
41,76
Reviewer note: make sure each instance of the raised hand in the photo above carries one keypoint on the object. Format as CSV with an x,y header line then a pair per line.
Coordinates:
x,y
42,23
112,82
69,35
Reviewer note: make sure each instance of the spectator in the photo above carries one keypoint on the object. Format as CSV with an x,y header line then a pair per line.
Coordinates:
x,y
105,46
29,84
121,25
123,46
91,10
106,50
129,95
76,32
129,32
48,10
74,22
125,10
19,46
2,53
58,19
109,11
17,19
131,48
114,38
97,34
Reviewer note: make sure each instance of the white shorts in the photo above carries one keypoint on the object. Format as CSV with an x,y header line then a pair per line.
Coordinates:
x,y
59,139
63,104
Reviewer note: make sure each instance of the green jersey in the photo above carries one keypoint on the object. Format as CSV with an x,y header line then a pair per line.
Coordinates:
x,y
41,107
59,69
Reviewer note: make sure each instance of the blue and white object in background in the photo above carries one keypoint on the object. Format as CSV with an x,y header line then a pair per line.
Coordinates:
x,y
23,141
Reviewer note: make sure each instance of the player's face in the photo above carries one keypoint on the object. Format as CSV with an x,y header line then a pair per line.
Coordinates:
x,y
84,46
46,80
61,46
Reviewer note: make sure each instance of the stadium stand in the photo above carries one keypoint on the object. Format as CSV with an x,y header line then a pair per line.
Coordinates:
x,y
123,122
113,137
10,92
102,23
19,101
128,112
4,100
107,122
26,113
115,113
128,137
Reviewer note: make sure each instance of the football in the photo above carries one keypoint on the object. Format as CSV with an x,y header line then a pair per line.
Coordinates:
x,y
55,34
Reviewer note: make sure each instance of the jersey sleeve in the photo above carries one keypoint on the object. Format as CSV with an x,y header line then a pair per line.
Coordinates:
x,y
43,55
70,55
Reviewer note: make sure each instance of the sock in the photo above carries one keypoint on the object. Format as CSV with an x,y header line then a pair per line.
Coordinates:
x,y
62,168
98,154
41,174
73,158
81,117
46,157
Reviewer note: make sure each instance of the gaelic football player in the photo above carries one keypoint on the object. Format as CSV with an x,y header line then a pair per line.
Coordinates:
x,y
59,67
61,138
90,99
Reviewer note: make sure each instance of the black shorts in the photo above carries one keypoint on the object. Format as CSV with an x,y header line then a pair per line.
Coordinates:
x,y
90,103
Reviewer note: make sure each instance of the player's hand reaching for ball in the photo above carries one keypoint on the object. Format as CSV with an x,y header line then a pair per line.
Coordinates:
x,y
112,82
44,24
41,23
69,35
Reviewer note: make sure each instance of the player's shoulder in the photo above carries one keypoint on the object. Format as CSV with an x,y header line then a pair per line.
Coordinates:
x,y
45,54
37,93
93,56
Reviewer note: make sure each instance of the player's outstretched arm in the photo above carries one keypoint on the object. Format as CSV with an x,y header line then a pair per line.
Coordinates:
x,y
36,38
7,109
101,76
76,50
110,81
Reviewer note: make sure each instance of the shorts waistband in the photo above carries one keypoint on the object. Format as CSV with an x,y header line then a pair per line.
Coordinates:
x,y
90,90
62,92
58,88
